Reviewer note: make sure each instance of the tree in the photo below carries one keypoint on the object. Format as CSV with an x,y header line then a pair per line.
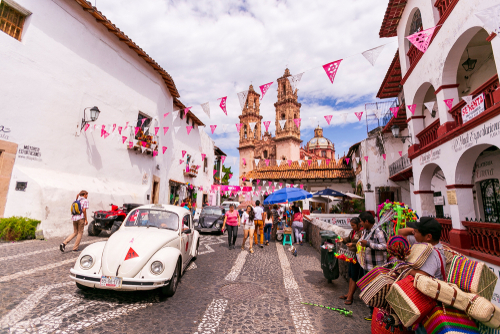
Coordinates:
x,y
226,171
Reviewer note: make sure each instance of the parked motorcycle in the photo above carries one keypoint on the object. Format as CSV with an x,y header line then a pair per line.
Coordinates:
x,y
110,220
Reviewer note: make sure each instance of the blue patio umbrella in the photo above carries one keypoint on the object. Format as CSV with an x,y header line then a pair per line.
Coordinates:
x,y
287,195
329,192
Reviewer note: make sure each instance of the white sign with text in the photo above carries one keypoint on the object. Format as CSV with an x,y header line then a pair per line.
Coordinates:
x,y
473,109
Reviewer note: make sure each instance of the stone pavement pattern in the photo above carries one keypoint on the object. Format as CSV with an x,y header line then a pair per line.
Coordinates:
x,y
223,291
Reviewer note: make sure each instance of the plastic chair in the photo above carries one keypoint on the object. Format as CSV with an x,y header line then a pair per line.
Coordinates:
x,y
287,239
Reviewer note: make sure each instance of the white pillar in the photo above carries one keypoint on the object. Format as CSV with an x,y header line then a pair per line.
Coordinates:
x,y
464,207
445,94
424,203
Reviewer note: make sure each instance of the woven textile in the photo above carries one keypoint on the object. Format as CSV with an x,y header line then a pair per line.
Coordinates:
x,y
398,247
472,276
374,294
483,329
370,277
449,255
419,253
378,326
410,305
448,294
483,310
452,322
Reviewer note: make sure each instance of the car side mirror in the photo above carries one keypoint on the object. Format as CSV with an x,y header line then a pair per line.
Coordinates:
x,y
188,231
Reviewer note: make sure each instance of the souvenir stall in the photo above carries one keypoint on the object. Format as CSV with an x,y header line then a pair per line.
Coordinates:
x,y
460,303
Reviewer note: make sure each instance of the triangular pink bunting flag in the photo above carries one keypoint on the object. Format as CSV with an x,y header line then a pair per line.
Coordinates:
x,y
244,161
186,110
124,139
400,153
331,69
266,124
213,127
106,134
165,114
86,127
267,163
223,158
328,118
223,104
130,144
157,128
144,144
297,121
395,111
347,160
183,153
264,88
155,153
215,172
114,127
137,130
309,162
181,161
189,128
120,130
238,126
327,162
289,163
301,186
422,39
412,108
384,156
164,148
358,115
366,158
143,120
165,129
449,103
258,181
203,155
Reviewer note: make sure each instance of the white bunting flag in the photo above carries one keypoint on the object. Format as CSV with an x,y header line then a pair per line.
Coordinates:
x,y
242,96
344,116
251,180
224,127
264,182
294,81
206,108
295,185
490,18
278,162
467,99
372,54
252,125
176,128
256,163
282,123
319,163
300,162
313,120
377,113
267,188
430,105
357,160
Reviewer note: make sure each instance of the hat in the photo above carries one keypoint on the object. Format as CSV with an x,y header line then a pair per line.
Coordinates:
x,y
427,225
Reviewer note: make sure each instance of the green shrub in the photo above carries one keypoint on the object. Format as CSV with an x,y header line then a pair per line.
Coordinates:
x,y
17,228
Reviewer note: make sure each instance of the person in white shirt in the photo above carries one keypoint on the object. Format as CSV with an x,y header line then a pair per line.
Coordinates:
x,y
259,224
247,221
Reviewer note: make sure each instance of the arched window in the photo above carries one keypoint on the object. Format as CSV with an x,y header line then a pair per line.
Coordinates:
x,y
283,116
265,154
416,23
284,87
255,132
245,132
254,104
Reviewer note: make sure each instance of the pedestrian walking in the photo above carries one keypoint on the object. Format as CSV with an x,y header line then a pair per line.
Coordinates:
x,y
374,246
297,224
248,222
268,224
276,221
79,217
232,220
259,224
355,272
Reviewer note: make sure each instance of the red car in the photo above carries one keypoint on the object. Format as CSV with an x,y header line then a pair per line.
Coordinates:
x,y
110,220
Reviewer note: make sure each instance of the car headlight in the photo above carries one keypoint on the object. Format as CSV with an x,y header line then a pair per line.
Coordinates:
x,y
86,262
217,225
157,267
111,217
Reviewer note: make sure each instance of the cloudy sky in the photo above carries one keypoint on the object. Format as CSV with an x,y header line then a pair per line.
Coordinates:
x,y
218,48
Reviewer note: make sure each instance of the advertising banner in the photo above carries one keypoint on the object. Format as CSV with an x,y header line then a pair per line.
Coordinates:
x,y
473,109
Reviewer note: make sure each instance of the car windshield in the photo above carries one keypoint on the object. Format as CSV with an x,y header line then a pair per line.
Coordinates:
x,y
153,218
211,211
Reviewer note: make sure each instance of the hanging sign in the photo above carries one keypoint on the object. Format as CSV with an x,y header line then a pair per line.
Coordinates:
x,y
473,109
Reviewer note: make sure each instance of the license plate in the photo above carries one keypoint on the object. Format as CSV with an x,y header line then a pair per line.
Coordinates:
x,y
111,281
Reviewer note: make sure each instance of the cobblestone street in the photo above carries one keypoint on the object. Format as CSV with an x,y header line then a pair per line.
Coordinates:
x,y
223,291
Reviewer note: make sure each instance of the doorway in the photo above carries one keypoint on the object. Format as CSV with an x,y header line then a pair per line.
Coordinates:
x,y
8,152
490,192
155,191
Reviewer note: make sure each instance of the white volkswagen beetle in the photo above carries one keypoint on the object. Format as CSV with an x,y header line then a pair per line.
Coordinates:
x,y
152,248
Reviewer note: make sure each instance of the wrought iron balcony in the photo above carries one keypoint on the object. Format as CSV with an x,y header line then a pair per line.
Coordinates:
x,y
399,165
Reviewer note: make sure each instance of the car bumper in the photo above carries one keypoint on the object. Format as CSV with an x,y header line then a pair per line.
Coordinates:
x,y
207,229
128,284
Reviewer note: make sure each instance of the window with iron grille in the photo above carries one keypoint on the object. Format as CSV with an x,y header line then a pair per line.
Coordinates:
x,y
12,18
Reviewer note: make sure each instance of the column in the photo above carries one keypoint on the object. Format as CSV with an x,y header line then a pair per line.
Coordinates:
x,y
461,201
424,202
415,125
447,122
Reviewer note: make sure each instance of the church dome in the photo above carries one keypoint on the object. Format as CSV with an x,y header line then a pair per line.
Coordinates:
x,y
319,142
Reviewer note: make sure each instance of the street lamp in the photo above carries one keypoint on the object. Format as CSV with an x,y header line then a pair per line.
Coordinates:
x,y
469,64
94,115
396,134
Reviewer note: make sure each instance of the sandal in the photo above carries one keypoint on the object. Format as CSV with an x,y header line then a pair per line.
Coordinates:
x,y
251,250
348,302
343,297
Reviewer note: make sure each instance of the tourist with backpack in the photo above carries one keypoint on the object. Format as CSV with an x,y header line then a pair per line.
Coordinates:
x,y
79,217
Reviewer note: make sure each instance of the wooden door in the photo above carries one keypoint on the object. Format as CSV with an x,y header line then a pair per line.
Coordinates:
x,y
8,152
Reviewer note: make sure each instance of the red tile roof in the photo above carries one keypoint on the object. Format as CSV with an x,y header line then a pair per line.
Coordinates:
x,y
334,170
391,18
391,85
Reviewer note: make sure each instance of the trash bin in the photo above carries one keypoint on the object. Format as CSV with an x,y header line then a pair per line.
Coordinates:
x,y
329,263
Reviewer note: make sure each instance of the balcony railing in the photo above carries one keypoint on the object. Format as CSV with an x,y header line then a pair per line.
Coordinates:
x,y
485,237
446,228
429,134
413,54
487,88
399,165
443,5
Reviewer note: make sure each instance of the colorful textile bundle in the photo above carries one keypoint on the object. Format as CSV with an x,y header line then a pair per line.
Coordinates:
x,y
450,255
346,255
419,253
472,276
448,294
374,294
379,325
370,277
449,321
398,247
409,304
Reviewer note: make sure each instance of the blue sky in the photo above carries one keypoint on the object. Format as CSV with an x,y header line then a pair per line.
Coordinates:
x,y
215,48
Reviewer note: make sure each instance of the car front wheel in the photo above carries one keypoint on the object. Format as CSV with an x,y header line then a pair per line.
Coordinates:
x,y
169,290
92,230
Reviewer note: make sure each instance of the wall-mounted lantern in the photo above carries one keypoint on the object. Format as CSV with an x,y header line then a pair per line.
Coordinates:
x,y
94,115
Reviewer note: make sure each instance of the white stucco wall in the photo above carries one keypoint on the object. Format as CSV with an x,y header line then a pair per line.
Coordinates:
x,y
66,62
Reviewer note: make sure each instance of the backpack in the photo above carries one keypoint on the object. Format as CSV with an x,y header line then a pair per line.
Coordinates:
x,y
76,208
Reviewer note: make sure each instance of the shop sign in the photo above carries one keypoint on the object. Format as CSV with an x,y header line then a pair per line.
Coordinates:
x,y
3,132
341,221
452,197
466,140
29,153
486,166
430,156
439,200
473,109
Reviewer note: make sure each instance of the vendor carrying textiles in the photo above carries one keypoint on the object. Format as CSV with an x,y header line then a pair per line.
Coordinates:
x,y
372,247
